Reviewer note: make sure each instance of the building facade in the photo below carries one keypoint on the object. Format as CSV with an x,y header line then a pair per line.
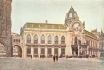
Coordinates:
x,y
5,28
68,39
102,44
17,44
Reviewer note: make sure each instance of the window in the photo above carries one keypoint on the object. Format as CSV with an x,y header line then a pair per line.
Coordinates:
x,y
19,40
56,51
49,50
63,51
49,39
29,50
62,40
13,40
35,39
42,50
28,39
56,40
16,40
2,50
35,50
42,39
70,15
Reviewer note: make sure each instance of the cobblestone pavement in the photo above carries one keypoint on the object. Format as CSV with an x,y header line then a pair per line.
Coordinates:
x,y
48,64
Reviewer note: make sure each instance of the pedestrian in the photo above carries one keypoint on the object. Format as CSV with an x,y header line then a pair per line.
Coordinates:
x,y
56,57
53,58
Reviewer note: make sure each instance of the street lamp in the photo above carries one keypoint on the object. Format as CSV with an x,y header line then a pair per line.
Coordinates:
x,y
79,43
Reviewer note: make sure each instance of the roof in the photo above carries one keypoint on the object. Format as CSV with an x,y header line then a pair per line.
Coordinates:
x,y
44,26
89,33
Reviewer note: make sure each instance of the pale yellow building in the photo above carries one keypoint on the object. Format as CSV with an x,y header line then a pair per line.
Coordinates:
x,y
71,38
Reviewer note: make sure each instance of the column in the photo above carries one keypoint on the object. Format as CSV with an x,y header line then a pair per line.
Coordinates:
x,y
68,40
39,50
39,37
78,50
32,39
46,38
52,50
46,51
59,41
87,49
24,52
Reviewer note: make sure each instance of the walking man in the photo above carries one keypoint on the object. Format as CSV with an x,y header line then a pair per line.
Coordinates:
x,y
53,58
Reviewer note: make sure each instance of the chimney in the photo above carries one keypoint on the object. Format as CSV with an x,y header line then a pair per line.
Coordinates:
x,y
46,21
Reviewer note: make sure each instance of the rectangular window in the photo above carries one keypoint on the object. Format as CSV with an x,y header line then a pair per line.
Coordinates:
x,y
49,42
29,50
56,42
62,42
56,51
63,51
42,41
35,41
42,50
35,50
28,41
49,50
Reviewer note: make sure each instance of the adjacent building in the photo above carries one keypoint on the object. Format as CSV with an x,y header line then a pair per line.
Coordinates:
x,y
5,28
47,39
17,44
102,44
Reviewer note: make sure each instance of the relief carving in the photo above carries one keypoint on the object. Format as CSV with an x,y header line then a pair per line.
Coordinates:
x,y
3,33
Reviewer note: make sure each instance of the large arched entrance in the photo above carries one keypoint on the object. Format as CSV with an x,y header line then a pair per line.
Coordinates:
x,y
17,51
2,50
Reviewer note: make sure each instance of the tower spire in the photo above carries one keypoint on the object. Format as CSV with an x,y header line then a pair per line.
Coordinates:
x,y
71,16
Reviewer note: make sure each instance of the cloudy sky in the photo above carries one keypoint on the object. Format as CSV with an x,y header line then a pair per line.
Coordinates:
x,y
90,11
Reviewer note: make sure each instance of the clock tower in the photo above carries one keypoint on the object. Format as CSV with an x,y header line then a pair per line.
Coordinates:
x,y
70,17
72,21
75,31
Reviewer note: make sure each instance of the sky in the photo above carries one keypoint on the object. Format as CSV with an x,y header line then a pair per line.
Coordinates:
x,y
54,11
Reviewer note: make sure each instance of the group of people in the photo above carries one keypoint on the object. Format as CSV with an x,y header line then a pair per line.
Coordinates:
x,y
55,58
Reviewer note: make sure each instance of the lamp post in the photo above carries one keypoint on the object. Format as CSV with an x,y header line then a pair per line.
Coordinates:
x,y
79,43
78,49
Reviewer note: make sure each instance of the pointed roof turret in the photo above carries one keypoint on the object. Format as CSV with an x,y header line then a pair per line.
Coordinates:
x,y
71,16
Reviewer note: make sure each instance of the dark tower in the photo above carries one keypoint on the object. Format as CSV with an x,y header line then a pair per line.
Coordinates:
x,y
5,27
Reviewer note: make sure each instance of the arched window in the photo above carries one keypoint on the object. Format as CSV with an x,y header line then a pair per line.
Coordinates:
x,y
49,39
70,15
35,39
2,50
28,39
56,40
19,40
16,40
42,39
62,40
13,40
